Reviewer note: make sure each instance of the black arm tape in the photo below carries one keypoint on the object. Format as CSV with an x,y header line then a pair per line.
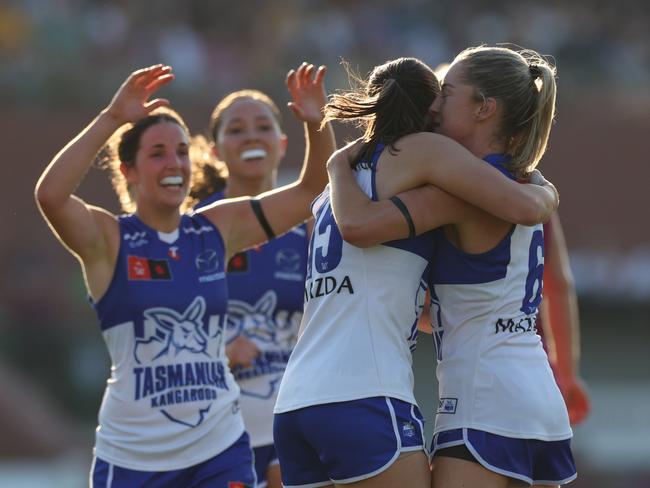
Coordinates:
x,y
261,218
405,212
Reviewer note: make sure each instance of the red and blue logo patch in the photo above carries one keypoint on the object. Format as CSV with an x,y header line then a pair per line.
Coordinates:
x,y
145,269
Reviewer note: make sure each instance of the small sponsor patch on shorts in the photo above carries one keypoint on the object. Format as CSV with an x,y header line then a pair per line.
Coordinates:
x,y
447,405
408,429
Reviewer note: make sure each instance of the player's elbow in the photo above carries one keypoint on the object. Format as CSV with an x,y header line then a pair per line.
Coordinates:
x,y
45,198
530,213
563,283
530,219
49,200
356,234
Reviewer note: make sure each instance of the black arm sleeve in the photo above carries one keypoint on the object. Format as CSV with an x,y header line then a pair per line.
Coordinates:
x,y
261,218
405,212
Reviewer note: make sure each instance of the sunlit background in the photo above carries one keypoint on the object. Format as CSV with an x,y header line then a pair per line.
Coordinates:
x,y
61,61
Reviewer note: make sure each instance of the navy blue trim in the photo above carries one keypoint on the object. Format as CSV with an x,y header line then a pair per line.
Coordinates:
x,y
125,224
373,170
464,268
215,197
112,308
422,245
532,461
499,161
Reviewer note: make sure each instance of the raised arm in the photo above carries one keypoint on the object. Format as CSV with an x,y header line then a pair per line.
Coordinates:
x,y
287,206
561,321
430,159
82,228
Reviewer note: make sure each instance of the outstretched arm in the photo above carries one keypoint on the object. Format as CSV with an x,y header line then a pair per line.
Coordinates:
x,y
561,322
286,206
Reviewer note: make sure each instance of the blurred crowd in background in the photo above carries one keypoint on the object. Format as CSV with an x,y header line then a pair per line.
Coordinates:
x,y
218,45
60,61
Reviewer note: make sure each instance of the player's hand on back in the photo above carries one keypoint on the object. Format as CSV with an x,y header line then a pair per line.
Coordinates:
x,y
537,178
346,155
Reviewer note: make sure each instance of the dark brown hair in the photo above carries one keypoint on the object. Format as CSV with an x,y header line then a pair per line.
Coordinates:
x,y
227,101
123,146
209,174
394,101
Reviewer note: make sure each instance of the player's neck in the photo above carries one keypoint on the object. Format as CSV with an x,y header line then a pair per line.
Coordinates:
x,y
159,220
239,187
481,148
485,142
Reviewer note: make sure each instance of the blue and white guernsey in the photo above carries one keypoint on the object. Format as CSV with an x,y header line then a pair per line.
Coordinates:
x,y
492,371
360,319
266,286
171,401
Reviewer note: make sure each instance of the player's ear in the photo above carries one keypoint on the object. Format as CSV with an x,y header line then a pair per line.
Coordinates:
x,y
284,142
215,150
486,109
129,172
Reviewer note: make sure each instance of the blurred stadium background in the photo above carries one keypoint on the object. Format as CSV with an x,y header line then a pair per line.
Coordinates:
x,y
61,60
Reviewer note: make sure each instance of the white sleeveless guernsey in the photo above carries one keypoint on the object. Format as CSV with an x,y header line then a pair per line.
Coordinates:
x,y
171,401
265,301
360,318
492,371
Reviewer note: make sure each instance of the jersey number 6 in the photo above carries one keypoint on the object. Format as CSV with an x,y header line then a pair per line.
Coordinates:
x,y
533,295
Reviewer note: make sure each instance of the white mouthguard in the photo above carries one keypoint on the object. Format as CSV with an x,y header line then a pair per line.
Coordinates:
x,y
253,154
172,180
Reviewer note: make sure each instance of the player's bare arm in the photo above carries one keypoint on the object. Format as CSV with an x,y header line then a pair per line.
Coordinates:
x,y
91,233
366,223
286,206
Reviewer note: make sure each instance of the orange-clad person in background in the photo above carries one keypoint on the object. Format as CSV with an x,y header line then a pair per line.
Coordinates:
x,y
560,322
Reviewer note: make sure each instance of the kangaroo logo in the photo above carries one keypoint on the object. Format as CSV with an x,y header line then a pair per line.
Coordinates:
x,y
178,366
174,332
260,322
273,332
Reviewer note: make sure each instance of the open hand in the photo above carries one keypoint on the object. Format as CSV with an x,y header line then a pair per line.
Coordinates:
x,y
576,399
308,92
131,101
537,178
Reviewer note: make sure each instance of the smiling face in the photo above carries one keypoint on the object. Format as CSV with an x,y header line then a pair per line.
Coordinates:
x,y
161,173
249,140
